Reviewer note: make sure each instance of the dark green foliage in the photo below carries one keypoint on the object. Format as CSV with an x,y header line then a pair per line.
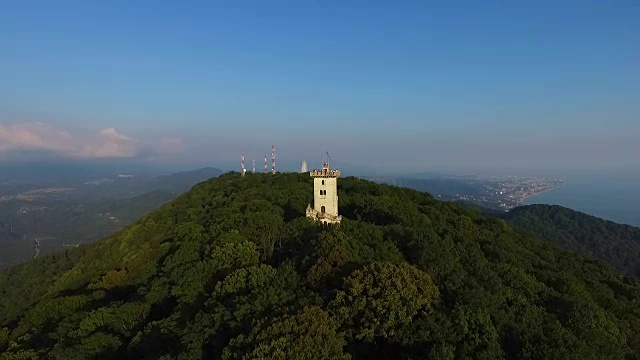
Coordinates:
x,y
616,244
381,298
233,270
308,335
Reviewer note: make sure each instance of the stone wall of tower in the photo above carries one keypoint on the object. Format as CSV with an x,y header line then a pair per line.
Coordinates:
x,y
330,200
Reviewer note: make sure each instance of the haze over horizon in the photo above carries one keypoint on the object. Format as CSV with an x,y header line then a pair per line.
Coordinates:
x,y
395,87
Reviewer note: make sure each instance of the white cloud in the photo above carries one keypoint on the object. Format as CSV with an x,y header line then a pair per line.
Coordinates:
x,y
33,136
107,143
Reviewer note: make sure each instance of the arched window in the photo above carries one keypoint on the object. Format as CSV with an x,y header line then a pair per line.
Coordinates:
x,y
322,182
322,209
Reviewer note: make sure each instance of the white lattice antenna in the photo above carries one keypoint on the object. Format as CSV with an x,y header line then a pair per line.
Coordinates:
x,y
242,169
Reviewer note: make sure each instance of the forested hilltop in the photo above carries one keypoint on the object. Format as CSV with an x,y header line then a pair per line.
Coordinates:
x,y
233,270
617,244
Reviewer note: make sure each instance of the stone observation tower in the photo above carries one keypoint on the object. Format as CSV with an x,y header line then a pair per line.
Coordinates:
x,y
303,167
325,195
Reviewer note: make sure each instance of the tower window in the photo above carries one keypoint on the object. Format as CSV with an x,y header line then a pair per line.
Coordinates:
x,y
322,209
322,182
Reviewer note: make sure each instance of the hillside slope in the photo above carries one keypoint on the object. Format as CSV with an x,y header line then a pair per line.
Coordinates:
x,y
56,225
49,222
616,244
233,270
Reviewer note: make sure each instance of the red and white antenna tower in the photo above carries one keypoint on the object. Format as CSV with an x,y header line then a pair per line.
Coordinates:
x,y
265,164
273,159
242,170
254,166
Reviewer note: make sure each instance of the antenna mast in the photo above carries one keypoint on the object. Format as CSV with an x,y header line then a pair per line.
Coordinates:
x,y
273,159
254,166
242,169
265,164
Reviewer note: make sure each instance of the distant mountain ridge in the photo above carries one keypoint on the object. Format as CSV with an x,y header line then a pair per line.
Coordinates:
x,y
127,186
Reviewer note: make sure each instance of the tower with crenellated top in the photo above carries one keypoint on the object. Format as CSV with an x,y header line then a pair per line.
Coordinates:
x,y
325,195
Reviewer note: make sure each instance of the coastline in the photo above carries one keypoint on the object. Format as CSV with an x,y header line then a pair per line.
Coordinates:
x,y
523,201
600,197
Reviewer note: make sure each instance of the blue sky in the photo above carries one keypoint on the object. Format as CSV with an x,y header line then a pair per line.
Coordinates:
x,y
393,85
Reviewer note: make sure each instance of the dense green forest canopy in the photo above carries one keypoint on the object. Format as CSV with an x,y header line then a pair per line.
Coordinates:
x,y
617,244
233,270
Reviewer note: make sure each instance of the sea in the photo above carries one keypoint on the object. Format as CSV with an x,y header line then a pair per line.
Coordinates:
x,y
608,196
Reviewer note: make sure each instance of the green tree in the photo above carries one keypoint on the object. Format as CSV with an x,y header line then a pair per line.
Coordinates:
x,y
442,351
382,297
310,334
4,338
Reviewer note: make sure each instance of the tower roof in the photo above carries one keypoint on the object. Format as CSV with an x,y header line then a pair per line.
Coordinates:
x,y
325,172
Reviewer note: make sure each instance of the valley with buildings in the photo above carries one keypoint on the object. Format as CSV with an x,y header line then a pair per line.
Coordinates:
x,y
39,217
